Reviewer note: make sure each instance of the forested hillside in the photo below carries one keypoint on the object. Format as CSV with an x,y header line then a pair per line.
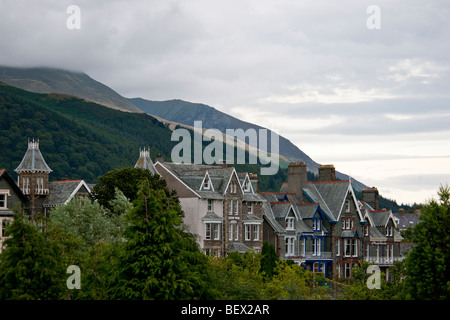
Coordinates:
x,y
77,138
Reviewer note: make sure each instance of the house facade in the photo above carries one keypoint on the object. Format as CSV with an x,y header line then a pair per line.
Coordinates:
x,y
221,206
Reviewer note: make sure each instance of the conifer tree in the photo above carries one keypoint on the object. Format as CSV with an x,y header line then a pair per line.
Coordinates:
x,y
427,265
159,259
31,265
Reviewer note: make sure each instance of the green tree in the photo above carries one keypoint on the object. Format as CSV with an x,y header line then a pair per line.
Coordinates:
x,y
237,276
87,221
159,259
427,273
31,266
127,181
269,259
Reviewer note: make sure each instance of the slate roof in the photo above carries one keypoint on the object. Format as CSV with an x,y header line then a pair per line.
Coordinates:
x,y
406,220
330,195
237,246
211,216
61,192
5,175
33,161
277,207
193,174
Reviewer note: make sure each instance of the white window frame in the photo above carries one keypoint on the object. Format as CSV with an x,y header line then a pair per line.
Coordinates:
x,y
247,185
216,231
256,232
247,232
290,245
290,223
316,244
4,200
347,245
210,205
206,184
355,247
236,232
208,231
347,267
347,206
250,207
236,207
338,247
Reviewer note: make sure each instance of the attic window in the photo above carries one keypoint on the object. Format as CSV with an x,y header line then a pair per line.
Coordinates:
x,y
290,223
247,186
347,206
316,225
206,184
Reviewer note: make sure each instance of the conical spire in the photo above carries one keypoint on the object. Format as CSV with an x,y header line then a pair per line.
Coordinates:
x,y
145,162
33,161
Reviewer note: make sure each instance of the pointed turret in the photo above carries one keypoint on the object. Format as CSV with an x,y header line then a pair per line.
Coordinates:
x,y
145,162
33,173
33,161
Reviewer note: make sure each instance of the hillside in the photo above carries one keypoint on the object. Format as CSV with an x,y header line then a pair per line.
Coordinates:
x,y
84,140
80,139
49,80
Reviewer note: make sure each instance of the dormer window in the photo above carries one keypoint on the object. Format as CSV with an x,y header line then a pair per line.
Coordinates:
x,y
246,186
206,184
389,231
316,225
290,223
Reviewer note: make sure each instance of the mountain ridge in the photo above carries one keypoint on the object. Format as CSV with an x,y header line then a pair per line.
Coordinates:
x,y
53,80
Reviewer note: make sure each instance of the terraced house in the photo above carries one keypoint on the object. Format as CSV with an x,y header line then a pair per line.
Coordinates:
x,y
221,206
322,226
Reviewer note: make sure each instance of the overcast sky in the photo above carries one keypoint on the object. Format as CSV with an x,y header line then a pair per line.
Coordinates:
x,y
373,102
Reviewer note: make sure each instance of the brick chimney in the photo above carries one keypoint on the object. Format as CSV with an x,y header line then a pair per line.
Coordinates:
x,y
297,178
327,172
371,196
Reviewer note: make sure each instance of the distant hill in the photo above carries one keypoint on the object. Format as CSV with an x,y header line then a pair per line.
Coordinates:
x,y
50,80
80,139
84,140
186,113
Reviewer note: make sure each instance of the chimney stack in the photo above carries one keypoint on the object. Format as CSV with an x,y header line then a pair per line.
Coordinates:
x,y
297,178
327,172
159,158
371,196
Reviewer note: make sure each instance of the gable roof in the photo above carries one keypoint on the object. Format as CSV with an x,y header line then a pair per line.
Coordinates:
x,y
5,175
61,192
33,161
331,196
192,177
382,217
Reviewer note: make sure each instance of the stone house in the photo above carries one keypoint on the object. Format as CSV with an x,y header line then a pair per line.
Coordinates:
x,y
221,206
